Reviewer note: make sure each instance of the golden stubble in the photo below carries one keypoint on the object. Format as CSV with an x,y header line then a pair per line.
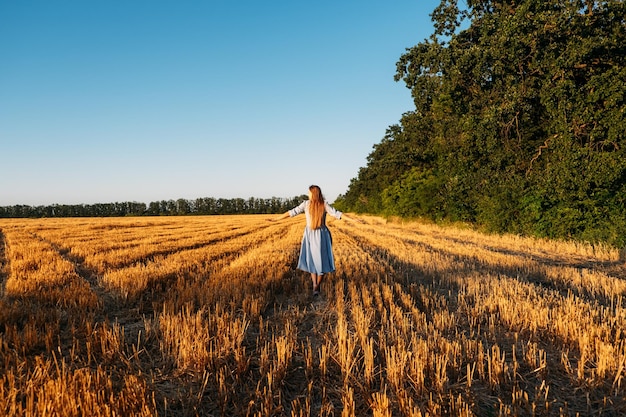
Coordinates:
x,y
187,316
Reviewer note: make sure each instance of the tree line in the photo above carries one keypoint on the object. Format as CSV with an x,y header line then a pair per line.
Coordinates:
x,y
518,124
180,207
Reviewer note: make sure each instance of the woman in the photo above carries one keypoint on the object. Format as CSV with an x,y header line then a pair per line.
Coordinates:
x,y
316,251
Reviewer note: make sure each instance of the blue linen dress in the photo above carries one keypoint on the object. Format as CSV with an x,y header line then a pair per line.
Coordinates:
x,y
316,251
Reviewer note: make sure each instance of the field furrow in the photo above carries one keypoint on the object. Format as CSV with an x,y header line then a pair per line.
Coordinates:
x,y
186,316
3,264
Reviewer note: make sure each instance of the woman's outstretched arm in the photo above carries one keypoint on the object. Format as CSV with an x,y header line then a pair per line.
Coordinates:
x,y
282,216
352,219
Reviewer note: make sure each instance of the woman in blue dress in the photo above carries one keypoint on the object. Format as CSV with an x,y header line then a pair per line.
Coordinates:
x,y
316,251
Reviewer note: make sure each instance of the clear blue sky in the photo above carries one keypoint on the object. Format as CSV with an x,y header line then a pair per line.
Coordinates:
x,y
145,100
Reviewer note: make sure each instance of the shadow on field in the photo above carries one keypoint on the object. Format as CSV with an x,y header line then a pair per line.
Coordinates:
x,y
561,355
532,271
4,265
616,269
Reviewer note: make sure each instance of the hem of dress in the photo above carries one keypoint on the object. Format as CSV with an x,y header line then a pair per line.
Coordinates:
x,y
318,273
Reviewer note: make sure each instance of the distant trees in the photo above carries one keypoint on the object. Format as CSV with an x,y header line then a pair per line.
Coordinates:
x,y
518,124
75,210
180,207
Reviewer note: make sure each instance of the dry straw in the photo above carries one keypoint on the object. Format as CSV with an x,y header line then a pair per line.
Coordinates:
x,y
186,316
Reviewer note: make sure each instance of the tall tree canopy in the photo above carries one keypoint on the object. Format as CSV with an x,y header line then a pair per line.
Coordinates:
x,y
518,122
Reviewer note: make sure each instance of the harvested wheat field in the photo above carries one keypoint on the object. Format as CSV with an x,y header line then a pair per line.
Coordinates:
x,y
207,316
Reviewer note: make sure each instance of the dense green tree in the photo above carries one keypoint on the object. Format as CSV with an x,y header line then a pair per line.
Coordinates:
x,y
518,122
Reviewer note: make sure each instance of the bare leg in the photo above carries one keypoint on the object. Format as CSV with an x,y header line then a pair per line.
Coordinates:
x,y
316,280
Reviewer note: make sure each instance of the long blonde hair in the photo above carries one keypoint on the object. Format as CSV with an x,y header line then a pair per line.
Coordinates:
x,y
316,207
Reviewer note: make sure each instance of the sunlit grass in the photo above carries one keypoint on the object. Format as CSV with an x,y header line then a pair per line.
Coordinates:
x,y
185,316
